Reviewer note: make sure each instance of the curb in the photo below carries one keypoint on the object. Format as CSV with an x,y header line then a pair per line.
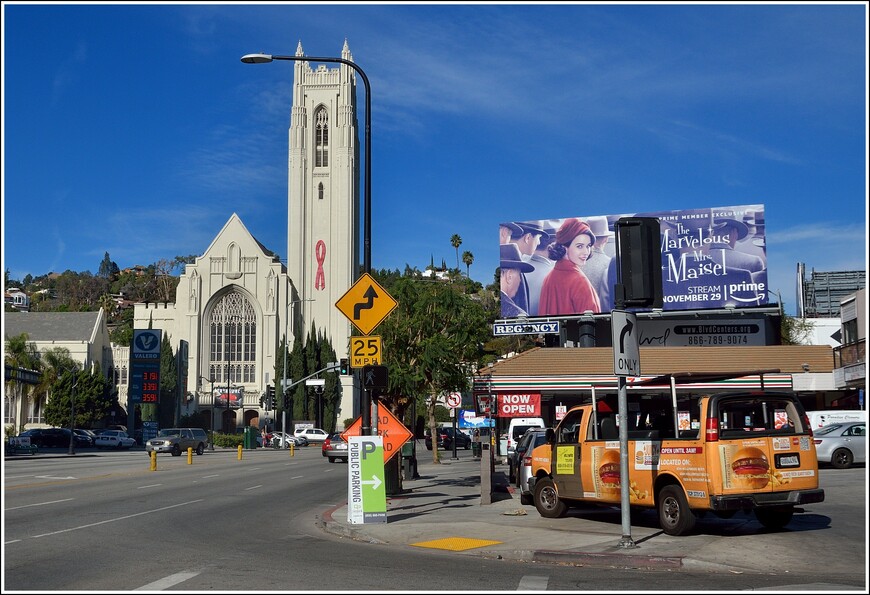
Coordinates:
x,y
628,561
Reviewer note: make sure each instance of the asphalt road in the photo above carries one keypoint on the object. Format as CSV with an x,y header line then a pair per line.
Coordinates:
x,y
109,523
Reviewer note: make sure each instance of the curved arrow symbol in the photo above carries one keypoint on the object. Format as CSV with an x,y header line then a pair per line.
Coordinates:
x,y
370,296
626,330
375,482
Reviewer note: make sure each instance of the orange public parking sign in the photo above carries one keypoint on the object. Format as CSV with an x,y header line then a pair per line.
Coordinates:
x,y
393,432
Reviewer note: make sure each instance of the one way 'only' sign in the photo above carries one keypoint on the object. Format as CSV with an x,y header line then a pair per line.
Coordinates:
x,y
626,354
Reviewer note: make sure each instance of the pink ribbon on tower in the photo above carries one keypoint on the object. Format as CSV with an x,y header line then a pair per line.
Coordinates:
x,y
320,254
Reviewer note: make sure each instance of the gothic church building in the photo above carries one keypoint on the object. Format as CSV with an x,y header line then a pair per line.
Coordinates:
x,y
235,303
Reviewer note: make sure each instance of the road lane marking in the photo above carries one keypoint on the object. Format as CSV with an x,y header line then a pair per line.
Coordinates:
x,y
169,581
210,476
38,504
253,487
129,516
533,583
153,485
297,477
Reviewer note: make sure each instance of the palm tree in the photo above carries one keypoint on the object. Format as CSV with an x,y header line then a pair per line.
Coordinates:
x,y
467,258
456,241
21,354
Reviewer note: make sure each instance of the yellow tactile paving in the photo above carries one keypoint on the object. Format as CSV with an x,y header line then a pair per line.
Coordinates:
x,y
456,544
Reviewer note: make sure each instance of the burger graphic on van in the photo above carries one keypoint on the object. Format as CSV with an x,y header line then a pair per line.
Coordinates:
x,y
608,472
750,468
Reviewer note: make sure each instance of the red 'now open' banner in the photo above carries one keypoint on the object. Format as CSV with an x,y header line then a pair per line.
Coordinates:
x,y
519,405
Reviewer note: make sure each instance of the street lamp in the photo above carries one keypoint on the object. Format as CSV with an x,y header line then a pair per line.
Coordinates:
x,y
366,428
72,411
367,244
211,444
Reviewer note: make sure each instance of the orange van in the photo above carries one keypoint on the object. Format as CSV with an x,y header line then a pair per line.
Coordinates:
x,y
718,453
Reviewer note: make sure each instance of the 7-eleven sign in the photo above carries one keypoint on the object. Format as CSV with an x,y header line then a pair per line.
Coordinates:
x,y
393,432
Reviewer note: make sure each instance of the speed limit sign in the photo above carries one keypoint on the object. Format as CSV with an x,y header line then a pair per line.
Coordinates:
x,y
454,400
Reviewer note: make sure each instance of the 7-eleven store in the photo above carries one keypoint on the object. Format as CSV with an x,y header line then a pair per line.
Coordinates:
x,y
554,379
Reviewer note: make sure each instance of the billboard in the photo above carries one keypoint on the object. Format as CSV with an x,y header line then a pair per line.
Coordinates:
x,y
711,258
225,398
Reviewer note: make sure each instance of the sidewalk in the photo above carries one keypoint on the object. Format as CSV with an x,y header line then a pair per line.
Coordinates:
x,y
443,510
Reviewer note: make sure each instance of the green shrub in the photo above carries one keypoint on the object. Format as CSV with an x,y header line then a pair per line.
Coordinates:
x,y
228,440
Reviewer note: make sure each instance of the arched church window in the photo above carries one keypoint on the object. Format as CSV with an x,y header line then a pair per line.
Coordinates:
x,y
233,340
321,138
320,191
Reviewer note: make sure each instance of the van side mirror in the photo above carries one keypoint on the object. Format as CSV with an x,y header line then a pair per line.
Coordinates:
x,y
550,435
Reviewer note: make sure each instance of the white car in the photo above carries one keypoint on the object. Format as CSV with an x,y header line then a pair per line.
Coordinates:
x,y
282,440
113,439
315,435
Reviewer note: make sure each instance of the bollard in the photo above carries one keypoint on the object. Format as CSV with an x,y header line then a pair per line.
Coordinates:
x,y
240,452
189,455
153,460
292,449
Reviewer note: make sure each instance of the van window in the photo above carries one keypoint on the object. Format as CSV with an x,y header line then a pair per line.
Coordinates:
x,y
758,415
518,431
569,428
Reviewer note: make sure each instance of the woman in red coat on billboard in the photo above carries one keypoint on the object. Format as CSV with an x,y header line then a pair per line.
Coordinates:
x,y
566,289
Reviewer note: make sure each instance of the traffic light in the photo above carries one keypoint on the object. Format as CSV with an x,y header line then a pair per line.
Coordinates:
x,y
639,255
344,367
286,400
270,398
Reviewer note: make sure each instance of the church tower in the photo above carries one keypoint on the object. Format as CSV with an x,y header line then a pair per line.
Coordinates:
x,y
323,205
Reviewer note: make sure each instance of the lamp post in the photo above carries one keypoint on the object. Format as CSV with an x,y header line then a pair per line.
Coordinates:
x,y
366,407
72,411
211,443
229,371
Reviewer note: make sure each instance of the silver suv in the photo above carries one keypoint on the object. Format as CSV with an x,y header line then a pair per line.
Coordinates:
x,y
177,440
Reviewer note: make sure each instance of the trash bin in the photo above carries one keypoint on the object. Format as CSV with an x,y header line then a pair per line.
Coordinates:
x,y
248,438
409,461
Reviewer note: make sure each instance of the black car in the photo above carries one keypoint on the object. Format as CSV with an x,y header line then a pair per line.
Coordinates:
x,y
56,438
445,439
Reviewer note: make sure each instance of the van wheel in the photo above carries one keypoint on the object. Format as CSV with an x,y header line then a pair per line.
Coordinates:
x,y
842,458
675,517
774,518
200,448
547,499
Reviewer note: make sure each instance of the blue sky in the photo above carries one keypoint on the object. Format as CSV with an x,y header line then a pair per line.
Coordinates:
x,y
136,130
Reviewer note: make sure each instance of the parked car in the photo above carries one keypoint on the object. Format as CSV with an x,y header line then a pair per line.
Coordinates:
x,y
334,448
532,439
313,435
283,440
518,426
841,445
515,458
84,438
446,437
176,440
55,438
113,439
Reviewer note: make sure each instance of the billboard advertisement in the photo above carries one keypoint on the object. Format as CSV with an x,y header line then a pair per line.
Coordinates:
x,y
711,258
228,398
